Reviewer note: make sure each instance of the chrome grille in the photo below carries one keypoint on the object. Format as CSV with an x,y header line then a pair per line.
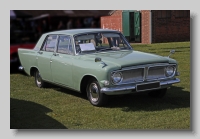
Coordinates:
x,y
156,72
133,75
142,73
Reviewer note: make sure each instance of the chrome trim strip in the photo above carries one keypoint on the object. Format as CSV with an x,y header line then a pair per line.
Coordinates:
x,y
118,88
169,82
137,67
147,65
61,85
114,89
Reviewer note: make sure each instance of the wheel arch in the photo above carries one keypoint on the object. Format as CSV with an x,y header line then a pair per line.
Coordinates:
x,y
84,81
32,70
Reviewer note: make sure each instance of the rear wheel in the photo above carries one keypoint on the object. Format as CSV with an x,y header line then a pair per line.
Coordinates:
x,y
94,95
158,93
38,80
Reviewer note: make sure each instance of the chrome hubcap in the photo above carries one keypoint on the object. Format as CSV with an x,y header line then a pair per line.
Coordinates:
x,y
39,79
94,92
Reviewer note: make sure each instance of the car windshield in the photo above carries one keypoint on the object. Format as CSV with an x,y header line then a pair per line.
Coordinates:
x,y
100,42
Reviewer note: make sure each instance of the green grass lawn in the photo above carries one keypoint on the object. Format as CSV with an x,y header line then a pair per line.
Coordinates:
x,y
56,108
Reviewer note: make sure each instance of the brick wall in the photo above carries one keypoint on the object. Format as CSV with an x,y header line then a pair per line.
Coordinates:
x,y
172,29
145,27
112,22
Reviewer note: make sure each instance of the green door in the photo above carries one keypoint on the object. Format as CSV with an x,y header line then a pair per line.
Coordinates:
x,y
61,67
137,34
61,62
43,61
131,25
44,57
126,24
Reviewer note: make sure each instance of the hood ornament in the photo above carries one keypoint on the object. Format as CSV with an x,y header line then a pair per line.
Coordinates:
x,y
98,59
171,52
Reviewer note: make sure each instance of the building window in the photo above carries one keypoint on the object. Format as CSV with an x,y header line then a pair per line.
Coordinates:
x,y
182,13
164,14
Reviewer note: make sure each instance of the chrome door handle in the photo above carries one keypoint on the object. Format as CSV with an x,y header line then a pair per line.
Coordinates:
x,y
55,54
40,52
51,61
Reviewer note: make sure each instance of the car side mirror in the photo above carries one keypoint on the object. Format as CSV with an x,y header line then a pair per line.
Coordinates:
x,y
171,52
97,59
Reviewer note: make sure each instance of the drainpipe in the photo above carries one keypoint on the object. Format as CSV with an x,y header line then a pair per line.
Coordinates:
x,y
150,26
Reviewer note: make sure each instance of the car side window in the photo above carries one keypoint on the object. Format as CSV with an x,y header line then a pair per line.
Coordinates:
x,y
50,43
65,45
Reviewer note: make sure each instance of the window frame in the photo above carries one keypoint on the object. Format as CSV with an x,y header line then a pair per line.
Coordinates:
x,y
71,41
41,49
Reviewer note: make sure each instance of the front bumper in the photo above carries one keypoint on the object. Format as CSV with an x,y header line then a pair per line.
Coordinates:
x,y
130,87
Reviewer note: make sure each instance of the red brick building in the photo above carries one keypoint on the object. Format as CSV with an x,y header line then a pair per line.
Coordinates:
x,y
150,26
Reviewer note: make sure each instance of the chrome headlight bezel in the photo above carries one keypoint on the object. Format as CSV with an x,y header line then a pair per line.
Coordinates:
x,y
116,77
170,71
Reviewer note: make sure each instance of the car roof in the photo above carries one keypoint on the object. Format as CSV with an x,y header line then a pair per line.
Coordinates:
x,y
80,31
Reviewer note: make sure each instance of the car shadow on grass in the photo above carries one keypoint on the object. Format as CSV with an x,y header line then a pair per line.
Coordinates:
x,y
66,91
175,98
30,115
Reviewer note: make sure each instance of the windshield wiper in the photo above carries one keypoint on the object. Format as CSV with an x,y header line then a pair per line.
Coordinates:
x,y
104,49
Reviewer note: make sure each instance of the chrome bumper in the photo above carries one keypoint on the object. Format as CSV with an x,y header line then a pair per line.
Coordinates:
x,y
21,68
116,89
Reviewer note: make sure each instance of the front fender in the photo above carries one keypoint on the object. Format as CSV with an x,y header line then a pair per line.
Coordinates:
x,y
91,68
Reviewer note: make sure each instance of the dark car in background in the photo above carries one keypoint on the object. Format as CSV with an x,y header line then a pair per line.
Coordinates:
x,y
20,39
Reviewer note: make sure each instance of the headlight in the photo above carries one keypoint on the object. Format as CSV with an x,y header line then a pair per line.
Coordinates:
x,y
169,71
116,77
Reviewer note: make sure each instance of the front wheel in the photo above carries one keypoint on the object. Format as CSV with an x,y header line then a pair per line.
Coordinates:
x,y
38,80
94,95
158,93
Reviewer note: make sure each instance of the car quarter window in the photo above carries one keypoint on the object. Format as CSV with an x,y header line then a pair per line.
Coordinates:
x,y
50,43
65,45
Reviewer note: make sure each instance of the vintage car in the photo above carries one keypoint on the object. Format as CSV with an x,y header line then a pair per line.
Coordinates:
x,y
98,62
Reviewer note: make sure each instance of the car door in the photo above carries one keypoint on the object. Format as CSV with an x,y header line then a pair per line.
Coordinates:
x,y
44,57
61,65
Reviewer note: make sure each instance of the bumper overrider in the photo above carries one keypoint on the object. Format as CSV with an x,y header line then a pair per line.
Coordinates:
x,y
139,87
21,68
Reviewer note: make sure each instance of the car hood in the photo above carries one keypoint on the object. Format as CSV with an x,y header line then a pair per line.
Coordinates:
x,y
126,58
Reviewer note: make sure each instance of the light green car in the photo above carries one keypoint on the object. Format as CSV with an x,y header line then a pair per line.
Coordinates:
x,y
98,62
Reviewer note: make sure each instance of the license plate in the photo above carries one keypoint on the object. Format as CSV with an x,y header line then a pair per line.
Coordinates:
x,y
147,86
